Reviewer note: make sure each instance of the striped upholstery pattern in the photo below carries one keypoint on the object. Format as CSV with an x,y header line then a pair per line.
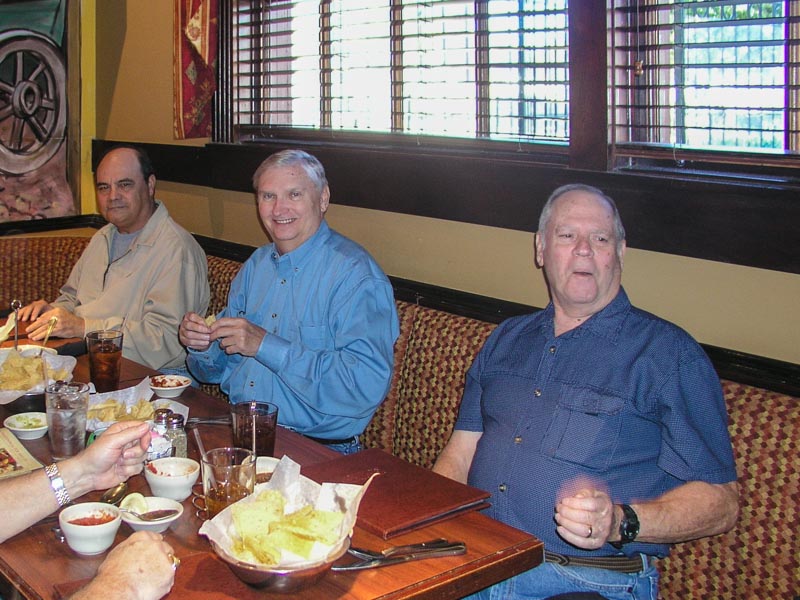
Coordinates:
x,y
440,350
760,557
380,431
221,272
35,268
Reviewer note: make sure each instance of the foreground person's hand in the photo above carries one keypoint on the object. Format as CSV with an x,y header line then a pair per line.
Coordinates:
x,y
140,568
112,458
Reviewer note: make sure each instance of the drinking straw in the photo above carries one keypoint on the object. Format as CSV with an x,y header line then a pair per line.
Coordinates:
x,y
253,431
199,442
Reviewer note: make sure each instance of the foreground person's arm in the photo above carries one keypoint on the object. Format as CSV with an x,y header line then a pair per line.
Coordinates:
x,y
140,568
115,456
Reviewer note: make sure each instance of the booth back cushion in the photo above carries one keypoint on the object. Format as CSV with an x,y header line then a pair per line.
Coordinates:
x,y
36,268
760,556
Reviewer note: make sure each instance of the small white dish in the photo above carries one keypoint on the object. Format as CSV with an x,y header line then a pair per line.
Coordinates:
x,y
27,425
154,503
172,477
265,465
169,386
90,539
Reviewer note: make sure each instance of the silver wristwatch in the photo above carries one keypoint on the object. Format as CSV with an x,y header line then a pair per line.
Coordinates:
x,y
57,483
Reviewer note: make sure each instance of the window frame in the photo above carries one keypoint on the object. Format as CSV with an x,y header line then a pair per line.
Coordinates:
x,y
590,146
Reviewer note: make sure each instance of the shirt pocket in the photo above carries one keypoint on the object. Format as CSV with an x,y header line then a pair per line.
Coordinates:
x,y
315,337
585,428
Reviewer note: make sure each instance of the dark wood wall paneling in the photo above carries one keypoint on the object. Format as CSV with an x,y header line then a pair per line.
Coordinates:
x,y
746,224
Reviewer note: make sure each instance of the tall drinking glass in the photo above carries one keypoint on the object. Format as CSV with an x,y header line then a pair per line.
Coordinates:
x,y
66,405
105,358
254,426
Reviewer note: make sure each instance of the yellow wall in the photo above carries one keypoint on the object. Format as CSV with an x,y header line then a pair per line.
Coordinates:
x,y
741,308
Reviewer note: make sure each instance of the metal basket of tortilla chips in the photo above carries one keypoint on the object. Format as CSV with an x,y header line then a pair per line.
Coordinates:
x,y
286,535
22,376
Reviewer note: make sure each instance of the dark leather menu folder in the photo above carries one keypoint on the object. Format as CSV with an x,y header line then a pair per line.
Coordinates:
x,y
403,497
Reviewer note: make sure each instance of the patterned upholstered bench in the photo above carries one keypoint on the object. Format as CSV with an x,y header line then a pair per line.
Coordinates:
x,y
760,558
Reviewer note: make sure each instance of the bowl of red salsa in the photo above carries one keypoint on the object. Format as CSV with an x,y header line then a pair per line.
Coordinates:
x,y
90,527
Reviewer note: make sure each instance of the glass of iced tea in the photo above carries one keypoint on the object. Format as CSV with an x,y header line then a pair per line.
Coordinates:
x,y
105,358
254,426
229,475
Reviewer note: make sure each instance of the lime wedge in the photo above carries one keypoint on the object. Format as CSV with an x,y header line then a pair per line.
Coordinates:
x,y
134,502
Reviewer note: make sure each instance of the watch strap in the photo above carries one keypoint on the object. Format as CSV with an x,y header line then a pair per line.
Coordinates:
x,y
628,526
57,483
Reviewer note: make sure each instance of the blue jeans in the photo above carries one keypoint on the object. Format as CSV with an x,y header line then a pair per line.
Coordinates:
x,y
550,579
350,447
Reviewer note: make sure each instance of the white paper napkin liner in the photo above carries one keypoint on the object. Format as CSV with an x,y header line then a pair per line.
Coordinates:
x,y
54,362
298,491
128,397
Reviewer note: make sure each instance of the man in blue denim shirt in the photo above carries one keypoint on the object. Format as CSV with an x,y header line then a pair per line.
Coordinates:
x,y
311,320
596,426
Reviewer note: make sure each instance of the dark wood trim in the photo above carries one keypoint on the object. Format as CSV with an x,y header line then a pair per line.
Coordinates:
x,y
745,368
588,95
55,224
743,222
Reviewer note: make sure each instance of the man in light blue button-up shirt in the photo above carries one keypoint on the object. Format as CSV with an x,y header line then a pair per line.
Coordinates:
x,y
311,320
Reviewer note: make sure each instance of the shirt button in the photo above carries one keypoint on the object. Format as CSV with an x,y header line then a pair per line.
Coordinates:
x,y
518,439
252,384
274,315
502,487
283,282
296,269
537,392
552,349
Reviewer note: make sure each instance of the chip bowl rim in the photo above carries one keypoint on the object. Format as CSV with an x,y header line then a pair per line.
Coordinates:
x,y
278,576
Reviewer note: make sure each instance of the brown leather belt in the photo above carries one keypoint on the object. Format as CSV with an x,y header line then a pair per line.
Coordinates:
x,y
621,564
326,442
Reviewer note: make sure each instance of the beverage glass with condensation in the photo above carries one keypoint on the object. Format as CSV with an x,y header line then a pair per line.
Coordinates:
x,y
229,475
105,358
66,405
254,426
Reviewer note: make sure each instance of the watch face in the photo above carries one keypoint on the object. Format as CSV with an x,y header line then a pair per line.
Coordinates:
x,y
629,527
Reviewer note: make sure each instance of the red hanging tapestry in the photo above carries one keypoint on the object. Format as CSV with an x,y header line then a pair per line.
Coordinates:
x,y
194,67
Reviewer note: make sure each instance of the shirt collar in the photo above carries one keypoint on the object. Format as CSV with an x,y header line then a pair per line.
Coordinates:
x,y
606,323
300,255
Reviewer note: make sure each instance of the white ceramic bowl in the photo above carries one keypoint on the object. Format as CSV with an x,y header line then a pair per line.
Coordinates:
x,y
28,425
172,477
89,539
169,386
154,503
265,465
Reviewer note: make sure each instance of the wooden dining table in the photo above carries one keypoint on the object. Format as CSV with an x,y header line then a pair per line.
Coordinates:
x,y
40,566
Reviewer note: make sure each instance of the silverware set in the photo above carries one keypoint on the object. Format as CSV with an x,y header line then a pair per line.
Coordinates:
x,y
369,559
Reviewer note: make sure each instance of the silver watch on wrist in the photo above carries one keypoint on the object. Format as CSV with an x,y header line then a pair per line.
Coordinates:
x,y
57,483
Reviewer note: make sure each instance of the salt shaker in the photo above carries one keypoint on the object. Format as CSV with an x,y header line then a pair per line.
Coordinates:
x,y
177,434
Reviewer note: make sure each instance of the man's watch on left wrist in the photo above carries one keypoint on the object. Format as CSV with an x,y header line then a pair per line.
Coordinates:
x,y
628,526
